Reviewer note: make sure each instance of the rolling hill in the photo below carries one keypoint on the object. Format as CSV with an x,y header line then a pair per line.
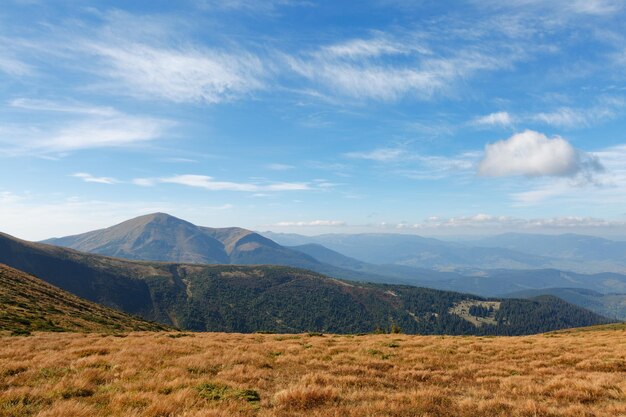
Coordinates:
x,y
30,304
279,299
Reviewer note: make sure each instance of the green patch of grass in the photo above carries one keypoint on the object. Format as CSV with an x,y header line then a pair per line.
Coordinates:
x,y
219,392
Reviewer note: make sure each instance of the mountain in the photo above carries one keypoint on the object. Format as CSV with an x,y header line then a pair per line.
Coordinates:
x,y
280,299
607,305
161,237
568,251
30,304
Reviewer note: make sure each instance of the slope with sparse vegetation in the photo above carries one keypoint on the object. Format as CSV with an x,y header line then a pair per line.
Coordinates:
x,y
29,304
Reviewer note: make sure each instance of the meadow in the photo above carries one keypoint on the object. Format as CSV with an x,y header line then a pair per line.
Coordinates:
x,y
572,373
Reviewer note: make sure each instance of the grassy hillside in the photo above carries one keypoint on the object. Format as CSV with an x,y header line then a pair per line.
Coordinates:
x,y
565,374
30,304
280,299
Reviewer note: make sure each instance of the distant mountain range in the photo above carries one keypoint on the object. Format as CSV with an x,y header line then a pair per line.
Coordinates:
x,y
280,299
30,304
577,253
393,258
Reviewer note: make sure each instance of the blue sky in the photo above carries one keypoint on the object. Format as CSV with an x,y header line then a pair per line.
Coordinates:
x,y
427,117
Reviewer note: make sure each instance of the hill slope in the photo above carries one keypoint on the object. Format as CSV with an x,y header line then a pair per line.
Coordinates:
x,y
29,304
282,299
608,305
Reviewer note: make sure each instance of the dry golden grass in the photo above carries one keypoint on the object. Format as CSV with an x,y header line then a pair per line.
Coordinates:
x,y
575,373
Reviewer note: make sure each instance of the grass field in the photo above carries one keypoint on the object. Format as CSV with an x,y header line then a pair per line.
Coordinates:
x,y
570,373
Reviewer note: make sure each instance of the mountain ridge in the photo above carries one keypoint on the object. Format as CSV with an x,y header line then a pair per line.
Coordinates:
x,y
280,299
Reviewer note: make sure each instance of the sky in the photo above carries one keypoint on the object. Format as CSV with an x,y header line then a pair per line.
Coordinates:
x,y
436,118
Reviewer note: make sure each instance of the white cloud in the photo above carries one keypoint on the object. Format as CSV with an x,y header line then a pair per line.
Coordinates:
x,y
266,6
90,178
609,186
14,67
279,167
486,221
313,223
568,117
494,119
69,107
208,183
533,154
85,127
561,7
380,155
357,68
360,48
185,74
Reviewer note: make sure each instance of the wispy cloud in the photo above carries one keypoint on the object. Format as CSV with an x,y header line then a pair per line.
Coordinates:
x,y
312,223
562,7
419,64
183,74
486,221
62,107
567,117
279,167
380,154
255,6
90,178
113,132
501,118
14,67
81,127
210,184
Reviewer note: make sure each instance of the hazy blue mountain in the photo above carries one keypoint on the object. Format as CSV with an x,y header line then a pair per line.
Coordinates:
x,y
608,305
415,251
578,253
569,251
282,299
500,282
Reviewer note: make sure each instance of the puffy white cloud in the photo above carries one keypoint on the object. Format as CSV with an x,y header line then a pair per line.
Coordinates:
x,y
534,154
